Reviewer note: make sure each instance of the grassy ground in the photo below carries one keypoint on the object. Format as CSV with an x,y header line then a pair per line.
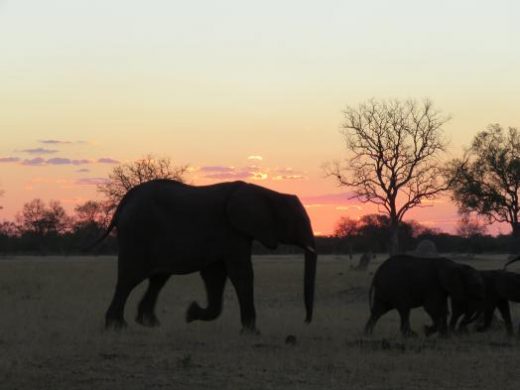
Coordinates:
x,y
52,337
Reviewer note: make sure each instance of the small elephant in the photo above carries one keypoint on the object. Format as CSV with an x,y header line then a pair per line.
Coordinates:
x,y
501,288
165,227
404,282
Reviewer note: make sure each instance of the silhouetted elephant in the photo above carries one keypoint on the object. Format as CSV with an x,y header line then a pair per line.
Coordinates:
x,y
165,227
501,287
404,282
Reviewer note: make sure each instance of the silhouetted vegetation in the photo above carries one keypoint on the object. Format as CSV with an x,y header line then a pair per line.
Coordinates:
x,y
47,229
126,176
486,181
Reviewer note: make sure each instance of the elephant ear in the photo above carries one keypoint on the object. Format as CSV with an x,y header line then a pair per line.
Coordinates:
x,y
451,280
250,211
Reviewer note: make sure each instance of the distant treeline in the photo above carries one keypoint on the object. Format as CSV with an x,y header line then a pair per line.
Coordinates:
x,y
72,244
42,229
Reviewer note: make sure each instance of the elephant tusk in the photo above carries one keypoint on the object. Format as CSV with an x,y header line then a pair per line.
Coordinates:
x,y
310,249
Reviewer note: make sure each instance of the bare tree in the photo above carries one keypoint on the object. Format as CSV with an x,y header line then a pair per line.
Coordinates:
x,y
126,176
394,156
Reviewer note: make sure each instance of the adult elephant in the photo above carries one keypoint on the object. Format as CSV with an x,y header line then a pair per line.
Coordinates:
x,y
165,227
404,282
501,288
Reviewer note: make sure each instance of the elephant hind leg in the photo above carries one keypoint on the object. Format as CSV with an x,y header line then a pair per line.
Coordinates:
x,y
503,307
146,309
131,272
406,330
214,277
438,311
487,318
114,317
377,310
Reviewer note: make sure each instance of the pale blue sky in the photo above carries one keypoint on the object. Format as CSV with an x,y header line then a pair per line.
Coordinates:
x,y
212,82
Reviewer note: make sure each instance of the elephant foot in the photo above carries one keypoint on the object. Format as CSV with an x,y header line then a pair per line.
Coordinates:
x,y
429,330
149,320
409,333
463,330
246,331
116,324
193,312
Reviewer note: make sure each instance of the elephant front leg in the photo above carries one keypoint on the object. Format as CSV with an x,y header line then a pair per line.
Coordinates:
x,y
241,275
406,330
214,277
146,309
438,312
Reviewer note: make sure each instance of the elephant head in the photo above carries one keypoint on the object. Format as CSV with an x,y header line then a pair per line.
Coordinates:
x,y
272,218
462,282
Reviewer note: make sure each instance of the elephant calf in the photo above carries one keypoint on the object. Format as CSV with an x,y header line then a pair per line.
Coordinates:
x,y
404,282
501,287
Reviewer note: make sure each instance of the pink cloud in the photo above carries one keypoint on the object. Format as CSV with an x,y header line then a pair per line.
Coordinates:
x,y
217,168
107,160
66,161
229,175
39,151
54,142
37,162
289,177
9,159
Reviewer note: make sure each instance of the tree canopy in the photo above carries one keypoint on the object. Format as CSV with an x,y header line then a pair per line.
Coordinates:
x,y
486,180
126,176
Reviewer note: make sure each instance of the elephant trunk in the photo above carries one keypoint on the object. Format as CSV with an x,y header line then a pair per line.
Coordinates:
x,y
308,280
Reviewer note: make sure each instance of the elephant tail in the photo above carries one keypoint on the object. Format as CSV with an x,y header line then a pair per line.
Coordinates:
x,y
105,234
371,296
113,223
511,261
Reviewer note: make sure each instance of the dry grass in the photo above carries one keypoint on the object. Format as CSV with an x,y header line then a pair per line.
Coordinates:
x,y
52,337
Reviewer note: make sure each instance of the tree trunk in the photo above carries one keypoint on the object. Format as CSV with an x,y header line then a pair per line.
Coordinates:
x,y
515,235
394,238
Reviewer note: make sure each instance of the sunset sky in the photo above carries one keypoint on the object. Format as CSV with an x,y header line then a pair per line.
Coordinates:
x,y
237,89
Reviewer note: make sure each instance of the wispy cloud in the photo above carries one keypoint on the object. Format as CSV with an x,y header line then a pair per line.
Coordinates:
x,y
91,181
216,168
66,161
39,151
83,170
255,157
54,142
287,173
221,172
39,161
288,177
107,160
229,175
35,162
9,159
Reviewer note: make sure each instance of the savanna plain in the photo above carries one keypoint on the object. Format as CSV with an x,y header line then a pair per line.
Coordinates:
x,y
52,335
